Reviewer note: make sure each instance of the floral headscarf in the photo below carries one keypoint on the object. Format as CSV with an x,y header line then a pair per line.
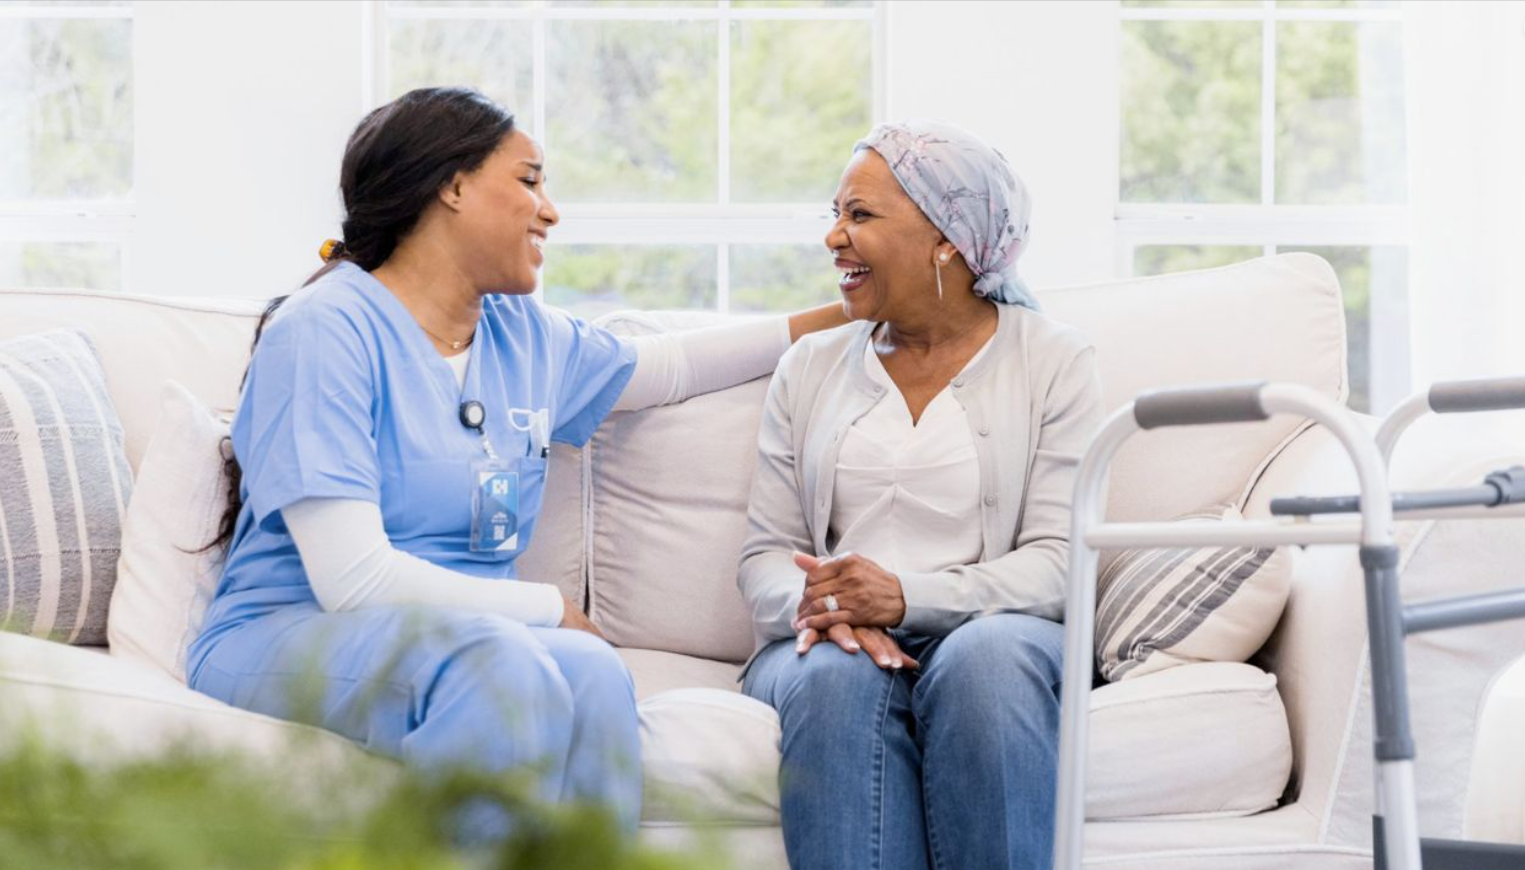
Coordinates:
x,y
968,191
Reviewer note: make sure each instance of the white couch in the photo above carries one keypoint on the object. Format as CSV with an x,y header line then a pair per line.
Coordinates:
x,y
1262,765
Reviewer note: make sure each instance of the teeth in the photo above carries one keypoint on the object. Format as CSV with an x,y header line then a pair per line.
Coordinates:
x,y
848,273
537,242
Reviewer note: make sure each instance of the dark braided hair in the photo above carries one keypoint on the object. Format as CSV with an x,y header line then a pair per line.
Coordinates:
x,y
398,159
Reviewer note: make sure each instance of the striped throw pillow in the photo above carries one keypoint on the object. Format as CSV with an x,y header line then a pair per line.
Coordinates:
x,y
1157,608
64,486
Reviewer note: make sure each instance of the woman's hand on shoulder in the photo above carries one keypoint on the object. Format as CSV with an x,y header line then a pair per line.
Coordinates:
x,y
864,593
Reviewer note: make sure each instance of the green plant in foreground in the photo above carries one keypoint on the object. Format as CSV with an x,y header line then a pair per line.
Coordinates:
x,y
226,811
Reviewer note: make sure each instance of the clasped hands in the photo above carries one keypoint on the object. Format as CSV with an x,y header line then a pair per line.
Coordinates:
x,y
868,600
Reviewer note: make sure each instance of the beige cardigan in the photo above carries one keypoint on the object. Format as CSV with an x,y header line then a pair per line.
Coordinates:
x,y
1033,402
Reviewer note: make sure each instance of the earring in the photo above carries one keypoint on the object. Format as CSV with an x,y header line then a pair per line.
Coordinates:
x,y
940,279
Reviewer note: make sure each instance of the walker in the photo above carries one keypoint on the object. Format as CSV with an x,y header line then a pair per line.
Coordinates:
x,y
1396,841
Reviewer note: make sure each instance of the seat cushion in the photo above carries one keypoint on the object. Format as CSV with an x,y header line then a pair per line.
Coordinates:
x,y
1195,741
102,707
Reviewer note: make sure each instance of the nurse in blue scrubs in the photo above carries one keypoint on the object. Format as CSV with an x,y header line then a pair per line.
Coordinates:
x,y
392,440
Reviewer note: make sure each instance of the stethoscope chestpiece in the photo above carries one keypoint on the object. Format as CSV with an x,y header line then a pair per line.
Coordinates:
x,y
473,415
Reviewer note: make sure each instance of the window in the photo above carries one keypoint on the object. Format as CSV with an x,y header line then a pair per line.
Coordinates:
x,y
692,147
1257,127
65,143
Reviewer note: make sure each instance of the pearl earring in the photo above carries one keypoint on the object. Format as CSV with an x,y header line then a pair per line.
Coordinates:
x,y
942,260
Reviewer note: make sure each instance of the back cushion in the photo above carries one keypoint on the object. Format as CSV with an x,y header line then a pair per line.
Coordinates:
x,y
669,510
669,485
1274,319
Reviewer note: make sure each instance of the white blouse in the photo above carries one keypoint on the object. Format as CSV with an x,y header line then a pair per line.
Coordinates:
x,y
907,495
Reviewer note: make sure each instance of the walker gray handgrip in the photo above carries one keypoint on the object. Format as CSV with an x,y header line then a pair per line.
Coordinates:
x,y
1192,406
1494,394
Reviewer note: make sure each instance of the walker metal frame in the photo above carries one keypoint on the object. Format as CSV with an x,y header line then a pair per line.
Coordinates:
x,y
1395,827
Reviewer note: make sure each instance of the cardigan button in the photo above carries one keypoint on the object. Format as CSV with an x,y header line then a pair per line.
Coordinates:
x,y
984,430
958,382
990,500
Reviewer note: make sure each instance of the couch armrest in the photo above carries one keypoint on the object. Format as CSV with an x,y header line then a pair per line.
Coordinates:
x,y
1318,652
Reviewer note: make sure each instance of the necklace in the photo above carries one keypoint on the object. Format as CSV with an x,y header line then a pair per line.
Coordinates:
x,y
454,345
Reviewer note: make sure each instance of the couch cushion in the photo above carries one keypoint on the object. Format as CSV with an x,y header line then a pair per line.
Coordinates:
x,y
166,578
101,707
655,672
1200,740
668,511
64,487
1269,319
144,341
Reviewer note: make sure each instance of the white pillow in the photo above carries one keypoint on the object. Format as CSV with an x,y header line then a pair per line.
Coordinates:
x,y
165,580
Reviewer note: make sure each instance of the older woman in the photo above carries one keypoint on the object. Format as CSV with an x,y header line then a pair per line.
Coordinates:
x,y
908,525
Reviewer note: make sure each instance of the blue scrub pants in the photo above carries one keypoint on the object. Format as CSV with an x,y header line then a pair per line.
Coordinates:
x,y
436,687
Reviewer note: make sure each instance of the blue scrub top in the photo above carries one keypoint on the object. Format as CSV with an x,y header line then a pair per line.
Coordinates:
x,y
346,397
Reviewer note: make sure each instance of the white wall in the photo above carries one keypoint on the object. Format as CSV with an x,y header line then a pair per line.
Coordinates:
x,y
1039,81
242,111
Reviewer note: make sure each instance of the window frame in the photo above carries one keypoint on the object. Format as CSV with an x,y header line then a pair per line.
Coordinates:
x,y
722,223
1267,224
61,221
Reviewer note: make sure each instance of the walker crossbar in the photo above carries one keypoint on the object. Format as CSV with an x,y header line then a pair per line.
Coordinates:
x,y
1466,610
1505,486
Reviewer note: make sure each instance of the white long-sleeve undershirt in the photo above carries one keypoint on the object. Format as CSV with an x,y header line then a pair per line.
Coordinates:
x,y
351,563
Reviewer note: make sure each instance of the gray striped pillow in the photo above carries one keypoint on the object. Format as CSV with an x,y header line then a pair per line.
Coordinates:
x,y
1157,608
64,485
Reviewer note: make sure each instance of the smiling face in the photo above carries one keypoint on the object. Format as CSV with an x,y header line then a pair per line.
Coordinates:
x,y
502,216
884,246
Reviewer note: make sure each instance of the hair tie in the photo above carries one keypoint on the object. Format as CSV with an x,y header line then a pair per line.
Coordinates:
x,y
331,249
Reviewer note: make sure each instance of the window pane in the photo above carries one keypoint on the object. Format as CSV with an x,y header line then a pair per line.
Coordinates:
x,y
632,110
1337,4
1162,259
594,279
1191,111
1191,4
75,265
801,4
1376,335
495,57
65,108
782,277
633,3
1339,112
801,95
462,3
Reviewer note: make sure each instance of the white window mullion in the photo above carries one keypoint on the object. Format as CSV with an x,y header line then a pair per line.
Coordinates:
x,y
537,79
1268,106
723,278
723,105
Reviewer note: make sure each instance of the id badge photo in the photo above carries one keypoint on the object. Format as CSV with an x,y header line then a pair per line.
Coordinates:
x,y
494,506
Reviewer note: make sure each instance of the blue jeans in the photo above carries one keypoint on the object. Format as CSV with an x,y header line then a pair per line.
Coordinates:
x,y
952,766
436,687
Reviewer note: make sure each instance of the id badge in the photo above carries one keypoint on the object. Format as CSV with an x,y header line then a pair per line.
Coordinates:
x,y
494,506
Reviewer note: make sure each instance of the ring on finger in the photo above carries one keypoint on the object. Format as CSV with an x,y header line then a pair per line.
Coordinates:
x,y
831,604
